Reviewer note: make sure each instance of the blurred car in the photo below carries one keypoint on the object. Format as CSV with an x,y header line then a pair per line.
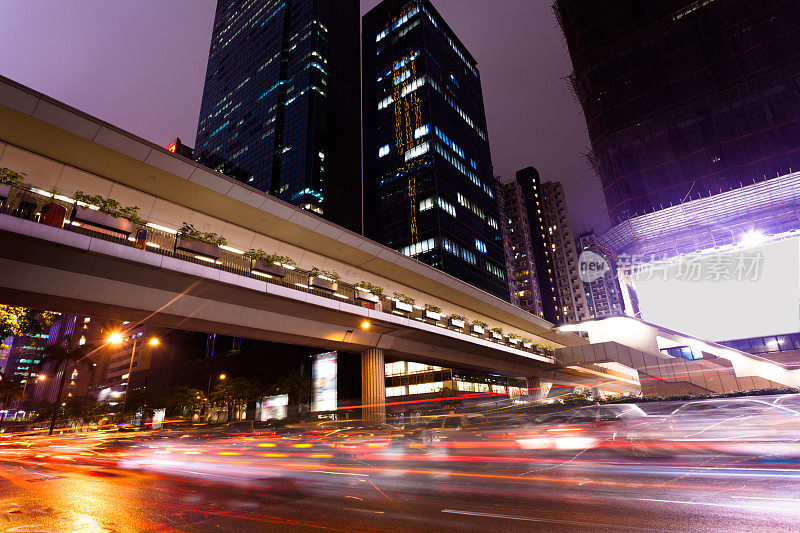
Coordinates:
x,y
739,426
447,427
357,440
582,428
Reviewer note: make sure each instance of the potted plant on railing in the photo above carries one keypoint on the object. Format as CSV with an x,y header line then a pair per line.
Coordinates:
x,y
8,179
324,279
194,241
478,327
544,350
496,333
527,343
432,312
513,338
269,264
108,213
368,292
401,302
457,321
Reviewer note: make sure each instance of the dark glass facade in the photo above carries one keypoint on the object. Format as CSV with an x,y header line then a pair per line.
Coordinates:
x,y
280,106
685,98
429,188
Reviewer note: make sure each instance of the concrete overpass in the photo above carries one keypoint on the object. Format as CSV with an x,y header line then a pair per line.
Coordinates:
x,y
72,269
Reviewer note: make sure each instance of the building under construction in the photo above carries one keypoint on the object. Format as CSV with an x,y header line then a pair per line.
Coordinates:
x,y
685,99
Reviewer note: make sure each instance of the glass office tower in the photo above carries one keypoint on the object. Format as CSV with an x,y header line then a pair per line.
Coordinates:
x,y
685,98
281,108
429,189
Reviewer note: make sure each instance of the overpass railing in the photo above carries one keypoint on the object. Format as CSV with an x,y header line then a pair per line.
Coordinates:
x,y
60,211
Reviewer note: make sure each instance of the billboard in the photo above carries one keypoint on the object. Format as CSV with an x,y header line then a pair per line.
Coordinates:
x,y
719,296
272,408
323,375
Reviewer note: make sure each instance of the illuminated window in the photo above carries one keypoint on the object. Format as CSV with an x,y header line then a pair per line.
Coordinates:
x,y
418,248
383,150
416,151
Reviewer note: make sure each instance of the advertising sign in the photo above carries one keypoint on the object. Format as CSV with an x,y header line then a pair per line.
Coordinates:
x,y
273,408
323,375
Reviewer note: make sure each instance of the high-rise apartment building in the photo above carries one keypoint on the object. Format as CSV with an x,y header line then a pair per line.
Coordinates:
x,y
428,183
603,296
519,246
281,108
564,255
684,98
538,255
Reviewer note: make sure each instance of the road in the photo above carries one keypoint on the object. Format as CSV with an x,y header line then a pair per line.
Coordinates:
x,y
59,486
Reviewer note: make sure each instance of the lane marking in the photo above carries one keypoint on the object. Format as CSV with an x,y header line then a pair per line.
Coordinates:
x,y
725,505
766,498
547,520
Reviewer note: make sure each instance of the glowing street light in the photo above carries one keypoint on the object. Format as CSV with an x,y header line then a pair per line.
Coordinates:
x,y
41,377
222,376
116,338
365,324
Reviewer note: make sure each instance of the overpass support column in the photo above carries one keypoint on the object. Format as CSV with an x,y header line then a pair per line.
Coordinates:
x,y
538,389
373,386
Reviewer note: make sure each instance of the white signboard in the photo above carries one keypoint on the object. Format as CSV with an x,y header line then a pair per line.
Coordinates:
x,y
324,378
273,408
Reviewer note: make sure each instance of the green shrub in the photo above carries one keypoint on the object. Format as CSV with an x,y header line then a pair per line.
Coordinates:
x,y
374,289
214,239
322,273
109,206
261,255
400,297
9,177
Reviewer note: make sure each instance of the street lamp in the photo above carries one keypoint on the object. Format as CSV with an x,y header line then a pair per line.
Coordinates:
x,y
116,338
221,377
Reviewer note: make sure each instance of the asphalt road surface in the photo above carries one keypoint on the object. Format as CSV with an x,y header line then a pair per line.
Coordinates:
x,y
432,493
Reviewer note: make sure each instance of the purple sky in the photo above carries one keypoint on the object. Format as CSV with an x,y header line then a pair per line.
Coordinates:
x,y
140,65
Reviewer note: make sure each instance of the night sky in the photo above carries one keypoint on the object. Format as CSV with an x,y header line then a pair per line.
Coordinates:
x,y
140,65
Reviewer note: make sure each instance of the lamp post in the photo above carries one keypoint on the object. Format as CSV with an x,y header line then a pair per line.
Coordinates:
x,y
40,377
221,377
116,338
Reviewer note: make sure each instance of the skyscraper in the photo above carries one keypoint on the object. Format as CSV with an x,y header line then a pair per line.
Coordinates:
x,y
545,258
564,255
603,296
428,183
683,98
519,247
280,106
539,259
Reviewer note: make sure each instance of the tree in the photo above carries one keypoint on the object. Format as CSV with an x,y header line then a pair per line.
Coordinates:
x,y
61,357
293,384
18,321
171,399
88,409
235,391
